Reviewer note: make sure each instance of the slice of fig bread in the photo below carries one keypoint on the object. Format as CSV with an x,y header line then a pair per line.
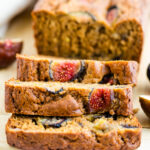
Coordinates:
x,y
90,132
66,99
32,68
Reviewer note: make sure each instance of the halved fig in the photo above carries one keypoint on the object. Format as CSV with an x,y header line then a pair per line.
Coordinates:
x,y
52,122
8,50
99,99
65,71
83,16
112,13
145,104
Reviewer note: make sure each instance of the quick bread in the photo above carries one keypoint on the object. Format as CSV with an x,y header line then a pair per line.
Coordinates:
x,y
90,29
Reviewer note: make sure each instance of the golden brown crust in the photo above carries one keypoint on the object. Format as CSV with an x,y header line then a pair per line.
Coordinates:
x,y
32,68
39,141
36,98
130,9
30,139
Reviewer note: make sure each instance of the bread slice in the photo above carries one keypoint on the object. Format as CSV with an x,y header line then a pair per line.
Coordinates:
x,y
90,29
66,99
32,68
91,132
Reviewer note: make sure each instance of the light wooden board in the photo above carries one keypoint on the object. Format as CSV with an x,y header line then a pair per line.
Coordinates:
x,y
21,28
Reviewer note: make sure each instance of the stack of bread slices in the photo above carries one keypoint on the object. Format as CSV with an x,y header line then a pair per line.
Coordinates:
x,y
63,104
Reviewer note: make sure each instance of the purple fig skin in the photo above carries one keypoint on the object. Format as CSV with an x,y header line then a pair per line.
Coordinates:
x,y
50,123
148,72
145,104
55,92
8,51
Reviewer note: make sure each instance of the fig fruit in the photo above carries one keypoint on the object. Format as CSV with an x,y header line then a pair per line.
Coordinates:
x,y
8,50
128,126
145,104
60,91
54,122
83,16
65,71
99,99
148,72
112,13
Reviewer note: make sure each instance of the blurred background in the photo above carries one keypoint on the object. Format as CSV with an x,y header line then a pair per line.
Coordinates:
x,y
10,9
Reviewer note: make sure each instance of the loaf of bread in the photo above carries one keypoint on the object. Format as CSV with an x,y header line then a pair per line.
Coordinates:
x,y
91,132
90,29
66,99
36,68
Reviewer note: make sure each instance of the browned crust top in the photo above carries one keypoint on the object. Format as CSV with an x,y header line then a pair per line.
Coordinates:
x,y
129,9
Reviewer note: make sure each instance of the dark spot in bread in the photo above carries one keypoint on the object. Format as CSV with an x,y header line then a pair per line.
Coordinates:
x,y
54,122
60,91
129,127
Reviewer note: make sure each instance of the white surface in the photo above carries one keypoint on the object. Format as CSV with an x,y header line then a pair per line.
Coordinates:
x,y
8,9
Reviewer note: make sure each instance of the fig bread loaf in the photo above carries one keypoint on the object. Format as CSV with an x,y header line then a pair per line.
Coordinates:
x,y
90,132
90,29
36,68
66,99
